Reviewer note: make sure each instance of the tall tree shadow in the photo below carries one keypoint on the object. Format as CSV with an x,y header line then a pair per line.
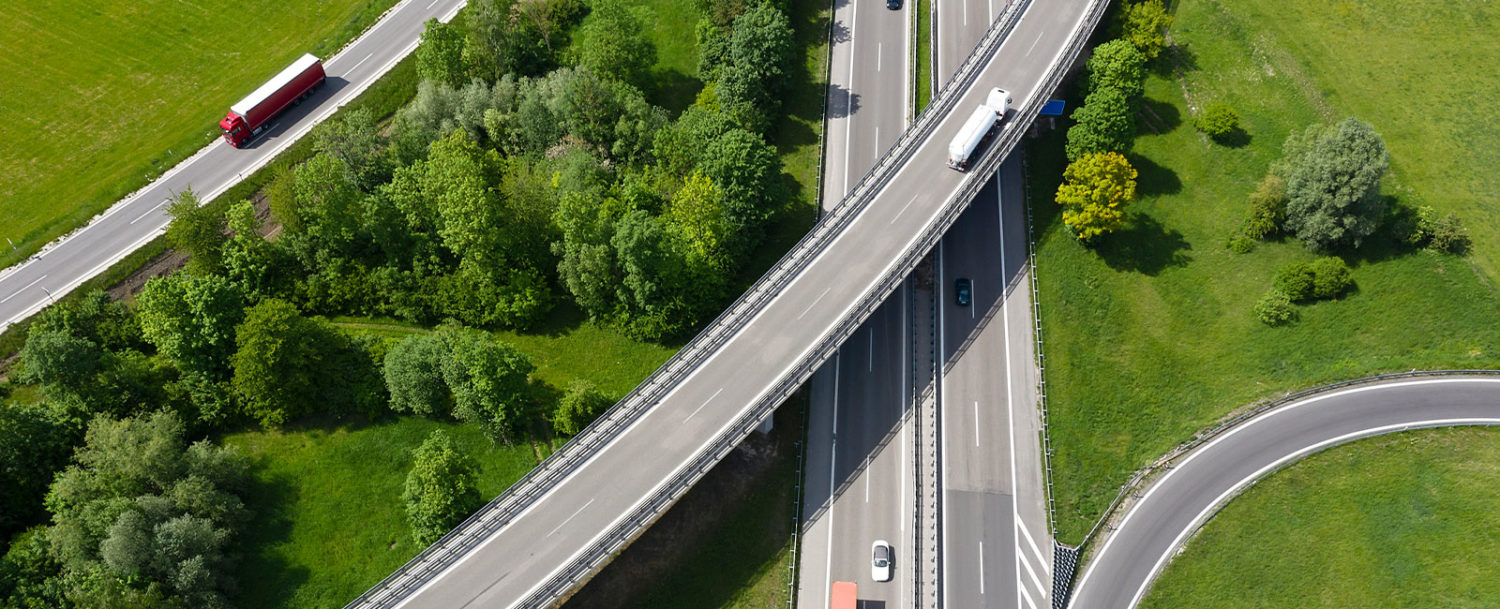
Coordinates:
x,y
265,578
842,103
1145,247
1159,116
674,90
1153,179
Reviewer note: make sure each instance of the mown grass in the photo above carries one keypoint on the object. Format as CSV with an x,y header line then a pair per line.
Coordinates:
x,y
1398,521
328,517
924,53
1150,336
99,98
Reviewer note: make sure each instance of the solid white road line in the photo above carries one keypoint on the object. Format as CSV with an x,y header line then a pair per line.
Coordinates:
x,y
905,405
879,52
872,349
1010,406
867,478
972,308
705,403
815,302
23,288
976,423
981,568
570,518
1041,558
849,96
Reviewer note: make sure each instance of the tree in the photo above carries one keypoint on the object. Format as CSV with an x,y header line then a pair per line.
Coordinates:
x,y
414,376
329,204
95,317
760,49
489,380
1218,120
143,515
63,364
1094,192
700,222
1332,178
191,320
197,231
1118,65
1103,124
277,366
586,259
442,488
747,172
679,147
1146,23
353,137
33,447
615,42
29,577
440,55
579,406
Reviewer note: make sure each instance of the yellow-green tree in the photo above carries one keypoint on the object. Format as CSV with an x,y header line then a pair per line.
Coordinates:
x,y
1094,192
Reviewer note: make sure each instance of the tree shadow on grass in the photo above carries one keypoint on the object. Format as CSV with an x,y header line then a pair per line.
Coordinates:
x,y
674,90
1159,116
1239,138
1175,59
265,578
1144,247
1153,179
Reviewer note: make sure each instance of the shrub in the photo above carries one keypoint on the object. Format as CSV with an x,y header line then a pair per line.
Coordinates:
x,y
441,490
1239,243
1296,281
1267,208
1275,308
1330,278
580,406
1218,120
1438,233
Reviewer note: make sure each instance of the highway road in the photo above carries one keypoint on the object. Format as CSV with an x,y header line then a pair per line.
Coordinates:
x,y
1173,507
567,523
858,486
135,220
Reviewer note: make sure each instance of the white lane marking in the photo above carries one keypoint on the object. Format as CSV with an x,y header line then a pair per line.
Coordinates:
x,y
1033,44
150,211
942,422
872,349
1029,571
868,472
966,13
23,288
1010,402
1041,558
972,308
905,405
1203,515
361,62
1029,602
976,422
434,3
903,210
833,457
1109,542
981,568
879,52
705,403
570,518
815,301
877,143
849,96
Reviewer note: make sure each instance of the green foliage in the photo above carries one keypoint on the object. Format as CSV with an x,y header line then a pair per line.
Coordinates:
x,y
288,366
28,575
748,172
749,70
441,490
1297,281
1218,120
509,37
142,512
579,406
191,319
1104,123
58,360
1275,308
489,381
354,139
1094,192
414,376
1267,208
33,446
197,231
1438,233
698,220
1118,65
1332,178
440,53
1146,23
587,264
614,41
1331,278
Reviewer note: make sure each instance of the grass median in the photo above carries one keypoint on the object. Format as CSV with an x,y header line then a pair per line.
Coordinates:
x,y
1150,336
1399,521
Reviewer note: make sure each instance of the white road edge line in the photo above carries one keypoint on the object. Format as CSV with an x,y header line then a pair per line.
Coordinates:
x,y
976,422
23,288
1010,405
833,457
570,518
1082,581
981,568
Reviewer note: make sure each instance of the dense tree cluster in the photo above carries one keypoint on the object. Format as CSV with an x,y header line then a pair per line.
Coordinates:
x,y
465,374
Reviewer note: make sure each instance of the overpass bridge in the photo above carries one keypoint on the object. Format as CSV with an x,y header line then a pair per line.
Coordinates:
x,y
550,531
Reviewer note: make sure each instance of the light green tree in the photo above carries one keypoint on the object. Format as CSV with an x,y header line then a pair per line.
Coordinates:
x,y
1094,192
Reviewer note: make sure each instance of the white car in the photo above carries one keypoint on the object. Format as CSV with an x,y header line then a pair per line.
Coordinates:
x,y
881,559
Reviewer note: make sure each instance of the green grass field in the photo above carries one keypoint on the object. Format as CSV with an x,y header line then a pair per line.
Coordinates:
x,y
1150,336
100,96
328,518
1402,521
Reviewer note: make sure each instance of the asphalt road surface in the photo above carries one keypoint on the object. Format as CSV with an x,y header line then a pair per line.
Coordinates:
x,y
996,547
561,524
129,224
869,84
1173,507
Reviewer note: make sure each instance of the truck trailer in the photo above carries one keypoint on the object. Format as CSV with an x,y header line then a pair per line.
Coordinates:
x,y
977,129
251,115
844,596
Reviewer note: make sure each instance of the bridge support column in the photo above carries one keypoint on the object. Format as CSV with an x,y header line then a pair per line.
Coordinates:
x,y
768,424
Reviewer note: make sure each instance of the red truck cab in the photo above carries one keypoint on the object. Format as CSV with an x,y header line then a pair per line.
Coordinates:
x,y
253,114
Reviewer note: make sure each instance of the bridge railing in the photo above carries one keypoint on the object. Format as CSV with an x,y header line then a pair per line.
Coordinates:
x,y
537,483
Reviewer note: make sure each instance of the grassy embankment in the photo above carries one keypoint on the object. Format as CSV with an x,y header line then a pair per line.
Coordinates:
x,y
1150,336
320,555
1401,521
100,98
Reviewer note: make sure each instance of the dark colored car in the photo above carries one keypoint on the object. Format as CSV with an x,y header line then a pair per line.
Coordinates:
x,y
894,5
963,291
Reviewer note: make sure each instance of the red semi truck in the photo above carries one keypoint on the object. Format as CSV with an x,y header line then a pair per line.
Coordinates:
x,y
249,117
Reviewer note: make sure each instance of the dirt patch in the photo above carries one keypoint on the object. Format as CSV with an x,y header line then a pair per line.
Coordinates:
x,y
165,264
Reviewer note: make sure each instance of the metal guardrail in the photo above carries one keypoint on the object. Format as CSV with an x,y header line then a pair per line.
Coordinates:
x,y
1260,408
541,480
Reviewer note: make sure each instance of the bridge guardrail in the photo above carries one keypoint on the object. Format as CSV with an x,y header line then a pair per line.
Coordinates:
x,y
494,515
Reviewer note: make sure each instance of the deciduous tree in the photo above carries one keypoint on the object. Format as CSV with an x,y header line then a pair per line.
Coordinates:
x,y
1103,124
1146,23
1118,65
197,231
1094,192
441,490
1332,178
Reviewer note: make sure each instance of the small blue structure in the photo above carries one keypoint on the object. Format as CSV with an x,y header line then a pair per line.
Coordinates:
x,y
1054,107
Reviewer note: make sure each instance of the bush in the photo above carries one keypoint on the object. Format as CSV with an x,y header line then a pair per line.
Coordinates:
x,y
441,490
1296,281
1330,278
1267,208
1437,233
1218,120
582,404
1239,243
1333,184
1275,308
